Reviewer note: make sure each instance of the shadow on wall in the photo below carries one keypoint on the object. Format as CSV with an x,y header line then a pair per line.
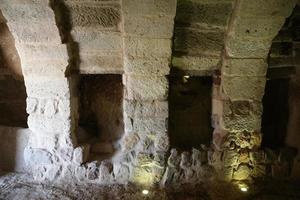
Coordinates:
x,y
12,105
12,102
9,58
276,113
293,131
12,145
281,121
12,87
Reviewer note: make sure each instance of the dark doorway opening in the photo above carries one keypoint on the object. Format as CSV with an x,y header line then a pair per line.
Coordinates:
x,y
101,112
275,112
190,111
12,102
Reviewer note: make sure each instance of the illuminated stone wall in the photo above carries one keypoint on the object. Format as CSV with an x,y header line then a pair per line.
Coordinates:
x,y
143,40
147,57
240,87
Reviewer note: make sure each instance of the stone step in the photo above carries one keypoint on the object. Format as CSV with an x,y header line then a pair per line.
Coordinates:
x,y
102,147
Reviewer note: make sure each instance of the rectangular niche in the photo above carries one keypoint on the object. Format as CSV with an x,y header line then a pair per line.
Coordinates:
x,y
101,112
190,111
275,113
12,101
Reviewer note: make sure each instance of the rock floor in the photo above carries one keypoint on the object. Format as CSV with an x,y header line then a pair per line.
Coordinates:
x,y
21,186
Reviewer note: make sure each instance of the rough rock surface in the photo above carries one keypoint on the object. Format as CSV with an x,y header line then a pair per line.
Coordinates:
x,y
22,186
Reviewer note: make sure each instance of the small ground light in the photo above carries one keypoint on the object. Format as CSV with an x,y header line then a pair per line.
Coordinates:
x,y
185,78
145,192
244,189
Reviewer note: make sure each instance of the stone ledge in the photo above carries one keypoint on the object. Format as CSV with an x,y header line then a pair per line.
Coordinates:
x,y
196,64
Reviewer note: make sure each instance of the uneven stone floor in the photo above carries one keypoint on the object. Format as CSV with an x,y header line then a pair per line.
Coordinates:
x,y
21,186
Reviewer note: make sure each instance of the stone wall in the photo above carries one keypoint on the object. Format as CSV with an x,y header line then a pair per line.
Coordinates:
x,y
147,56
96,28
227,39
199,33
240,86
44,61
